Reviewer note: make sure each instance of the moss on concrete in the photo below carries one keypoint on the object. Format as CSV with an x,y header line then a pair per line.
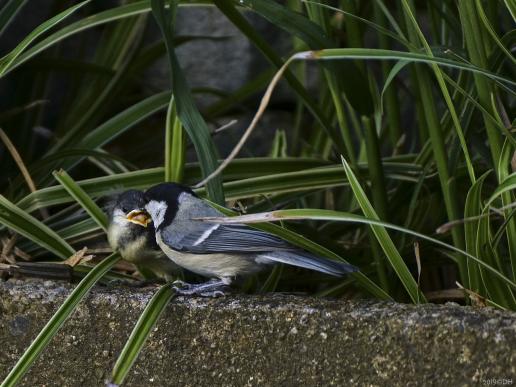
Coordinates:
x,y
274,340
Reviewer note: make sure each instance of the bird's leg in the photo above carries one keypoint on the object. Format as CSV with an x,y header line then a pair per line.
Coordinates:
x,y
212,288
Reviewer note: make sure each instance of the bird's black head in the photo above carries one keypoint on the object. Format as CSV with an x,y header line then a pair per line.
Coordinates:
x,y
166,192
167,195
130,200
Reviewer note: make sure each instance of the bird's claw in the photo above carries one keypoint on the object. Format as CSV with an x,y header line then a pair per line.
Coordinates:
x,y
210,289
178,284
214,294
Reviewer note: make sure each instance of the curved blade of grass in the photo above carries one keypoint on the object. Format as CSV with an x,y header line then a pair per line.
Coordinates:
x,y
256,220
24,224
240,95
472,209
380,54
175,146
491,31
227,7
8,59
187,111
8,13
507,185
444,90
354,84
118,124
142,179
110,15
390,77
299,240
398,37
271,283
82,198
81,25
57,320
141,331
484,111
264,171
384,239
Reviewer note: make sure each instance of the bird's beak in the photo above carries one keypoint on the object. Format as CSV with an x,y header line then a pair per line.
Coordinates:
x,y
140,217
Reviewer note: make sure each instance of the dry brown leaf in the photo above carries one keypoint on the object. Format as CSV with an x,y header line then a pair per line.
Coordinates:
x,y
79,257
476,299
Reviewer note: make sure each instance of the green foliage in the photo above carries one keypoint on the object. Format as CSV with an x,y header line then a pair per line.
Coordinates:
x,y
141,330
420,112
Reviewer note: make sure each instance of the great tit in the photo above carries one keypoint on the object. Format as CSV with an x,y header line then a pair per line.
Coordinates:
x,y
221,252
135,238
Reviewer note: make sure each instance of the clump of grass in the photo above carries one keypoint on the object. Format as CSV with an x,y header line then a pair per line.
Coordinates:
x,y
420,114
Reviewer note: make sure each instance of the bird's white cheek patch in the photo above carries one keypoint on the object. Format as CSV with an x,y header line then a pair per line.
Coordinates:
x,y
157,211
119,217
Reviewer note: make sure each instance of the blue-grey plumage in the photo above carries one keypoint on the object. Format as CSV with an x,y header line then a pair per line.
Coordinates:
x,y
222,251
135,238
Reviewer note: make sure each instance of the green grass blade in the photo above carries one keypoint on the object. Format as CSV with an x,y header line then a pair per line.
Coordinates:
x,y
444,90
384,239
249,178
24,224
187,111
473,208
353,84
175,146
506,185
227,7
141,331
82,198
305,243
398,37
57,320
81,25
8,13
7,60
118,124
380,54
256,220
492,32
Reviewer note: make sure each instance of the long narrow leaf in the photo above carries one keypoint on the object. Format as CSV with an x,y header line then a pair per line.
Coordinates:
x,y
140,333
24,224
384,239
7,60
187,111
175,146
257,220
57,320
8,13
82,198
264,179
305,243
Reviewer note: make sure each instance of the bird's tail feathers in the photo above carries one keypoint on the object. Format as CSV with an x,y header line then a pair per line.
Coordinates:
x,y
310,261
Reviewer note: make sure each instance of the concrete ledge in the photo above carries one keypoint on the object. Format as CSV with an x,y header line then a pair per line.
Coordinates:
x,y
274,340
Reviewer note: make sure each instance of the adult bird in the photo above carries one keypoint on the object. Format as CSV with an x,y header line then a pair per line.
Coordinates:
x,y
135,238
221,252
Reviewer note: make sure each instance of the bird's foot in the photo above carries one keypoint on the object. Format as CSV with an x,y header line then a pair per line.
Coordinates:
x,y
212,288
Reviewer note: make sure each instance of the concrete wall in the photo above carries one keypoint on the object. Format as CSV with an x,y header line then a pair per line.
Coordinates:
x,y
274,340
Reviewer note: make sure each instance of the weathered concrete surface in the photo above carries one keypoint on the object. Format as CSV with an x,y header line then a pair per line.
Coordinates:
x,y
250,340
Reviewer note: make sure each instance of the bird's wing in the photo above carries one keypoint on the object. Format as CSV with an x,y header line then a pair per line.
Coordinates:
x,y
205,238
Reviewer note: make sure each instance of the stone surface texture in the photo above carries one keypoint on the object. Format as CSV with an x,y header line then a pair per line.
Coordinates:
x,y
271,340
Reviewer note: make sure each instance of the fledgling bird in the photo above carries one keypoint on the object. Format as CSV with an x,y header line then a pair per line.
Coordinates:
x,y
135,238
221,252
